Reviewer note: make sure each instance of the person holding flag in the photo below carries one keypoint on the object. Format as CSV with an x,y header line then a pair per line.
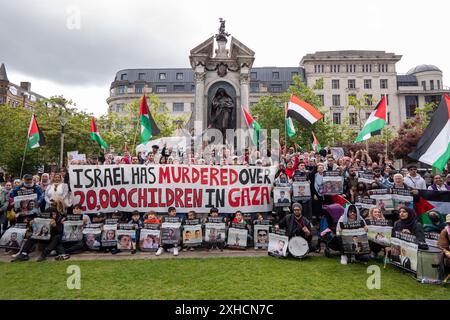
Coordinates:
x,y
374,123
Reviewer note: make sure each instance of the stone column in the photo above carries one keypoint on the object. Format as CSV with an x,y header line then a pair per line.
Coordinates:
x,y
199,108
243,81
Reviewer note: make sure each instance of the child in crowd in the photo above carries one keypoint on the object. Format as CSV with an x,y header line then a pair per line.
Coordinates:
x,y
219,243
172,213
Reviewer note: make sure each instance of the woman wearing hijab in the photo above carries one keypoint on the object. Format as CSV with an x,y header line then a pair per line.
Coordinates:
x,y
408,224
351,214
436,223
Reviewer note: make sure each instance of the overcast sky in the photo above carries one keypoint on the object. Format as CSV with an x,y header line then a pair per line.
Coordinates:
x,y
38,46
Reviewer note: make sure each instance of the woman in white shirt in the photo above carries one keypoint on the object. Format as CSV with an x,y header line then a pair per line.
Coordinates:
x,y
58,189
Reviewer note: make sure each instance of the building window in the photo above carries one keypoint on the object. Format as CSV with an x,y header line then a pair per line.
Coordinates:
x,y
275,75
192,87
179,76
336,100
431,85
369,98
139,88
319,68
336,117
388,118
119,108
335,68
383,68
276,88
367,84
351,84
254,87
141,76
178,107
351,68
253,75
124,77
439,84
293,74
352,119
411,103
121,89
192,107
383,83
162,107
162,76
424,85
335,84
321,97
178,88
367,68
161,89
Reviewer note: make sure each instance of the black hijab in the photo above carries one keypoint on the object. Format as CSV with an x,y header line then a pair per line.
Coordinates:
x,y
409,222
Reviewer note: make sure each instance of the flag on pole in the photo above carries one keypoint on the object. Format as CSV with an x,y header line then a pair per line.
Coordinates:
x,y
340,200
95,135
36,138
253,126
374,123
290,129
303,112
315,143
148,125
434,145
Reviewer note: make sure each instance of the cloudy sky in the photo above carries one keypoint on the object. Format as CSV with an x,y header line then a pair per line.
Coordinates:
x,y
41,41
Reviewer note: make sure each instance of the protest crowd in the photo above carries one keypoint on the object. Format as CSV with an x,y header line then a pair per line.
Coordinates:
x,y
358,207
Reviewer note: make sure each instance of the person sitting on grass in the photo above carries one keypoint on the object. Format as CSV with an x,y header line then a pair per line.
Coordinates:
x,y
444,242
217,243
375,215
72,247
56,231
297,225
351,214
190,216
172,212
409,224
151,218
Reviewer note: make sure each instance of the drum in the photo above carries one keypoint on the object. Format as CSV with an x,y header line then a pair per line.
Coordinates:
x,y
298,247
430,265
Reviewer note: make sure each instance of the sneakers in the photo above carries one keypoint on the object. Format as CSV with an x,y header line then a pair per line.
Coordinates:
x,y
41,258
53,253
191,249
344,259
159,252
62,257
21,257
175,251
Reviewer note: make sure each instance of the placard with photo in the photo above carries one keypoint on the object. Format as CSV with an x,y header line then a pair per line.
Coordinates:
x,y
332,183
215,232
109,235
237,238
92,236
365,203
192,235
366,177
402,199
282,196
149,239
26,205
13,237
404,251
170,233
278,245
41,229
73,228
261,236
354,238
301,191
126,239
379,232
384,201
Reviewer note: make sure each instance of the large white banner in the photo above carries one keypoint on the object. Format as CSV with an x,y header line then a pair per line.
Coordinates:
x,y
157,187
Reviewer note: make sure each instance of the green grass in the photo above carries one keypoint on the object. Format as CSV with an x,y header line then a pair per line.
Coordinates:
x,y
214,278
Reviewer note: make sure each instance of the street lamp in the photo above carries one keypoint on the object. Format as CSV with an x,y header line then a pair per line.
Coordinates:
x,y
63,121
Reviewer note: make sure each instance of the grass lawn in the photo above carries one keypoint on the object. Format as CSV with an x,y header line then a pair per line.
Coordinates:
x,y
214,278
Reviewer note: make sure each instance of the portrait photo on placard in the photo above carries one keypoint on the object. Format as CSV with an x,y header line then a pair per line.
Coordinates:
x,y
13,238
41,229
149,240
237,237
215,232
261,236
126,239
278,245
282,196
92,238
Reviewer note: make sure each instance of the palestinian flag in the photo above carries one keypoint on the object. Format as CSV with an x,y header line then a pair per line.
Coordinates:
x,y
290,130
340,200
36,138
431,200
96,136
253,126
434,145
374,123
148,125
315,143
303,112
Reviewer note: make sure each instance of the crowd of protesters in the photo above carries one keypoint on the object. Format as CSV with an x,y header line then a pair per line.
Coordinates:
x,y
301,218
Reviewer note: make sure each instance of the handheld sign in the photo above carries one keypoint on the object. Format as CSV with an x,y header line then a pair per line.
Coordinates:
x,y
282,196
26,205
149,237
171,230
126,237
41,227
13,237
354,238
237,236
379,232
73,228
278,243
215,231
192,233
333,183
109,233
261,231
92,236
404,251
301,190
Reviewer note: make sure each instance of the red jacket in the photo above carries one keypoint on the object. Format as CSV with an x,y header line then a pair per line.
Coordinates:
x,y
290,172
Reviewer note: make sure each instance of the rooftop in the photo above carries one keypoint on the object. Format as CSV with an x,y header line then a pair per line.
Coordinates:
x,y
423,68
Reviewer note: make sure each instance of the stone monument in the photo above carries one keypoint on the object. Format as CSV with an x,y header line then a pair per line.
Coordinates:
x,y
221,82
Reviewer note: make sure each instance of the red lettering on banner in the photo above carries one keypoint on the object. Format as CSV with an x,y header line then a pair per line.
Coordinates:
x,y
223,176
198,196
178,195
114,198
245,201
186,178
123,197
142,197
169,197
187,198
91,199
214,174
265,199
164,173
82,198
153,203
233,202
204,176
176,174
130,198
104,198
255,200
195,175
233,176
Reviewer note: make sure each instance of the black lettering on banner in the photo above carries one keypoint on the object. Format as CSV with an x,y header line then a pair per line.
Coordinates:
x,y
152,175
210,200
87,176
135,175
78,180
124,180
116,174
220,198
98,180
244,176
108,177
266,177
